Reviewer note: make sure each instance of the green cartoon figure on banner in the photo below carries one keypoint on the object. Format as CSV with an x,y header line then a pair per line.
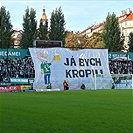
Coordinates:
x,y
45,65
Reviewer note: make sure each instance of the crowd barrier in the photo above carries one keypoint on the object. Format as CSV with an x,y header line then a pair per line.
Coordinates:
x,y
17,88
17,84
118,81
123,81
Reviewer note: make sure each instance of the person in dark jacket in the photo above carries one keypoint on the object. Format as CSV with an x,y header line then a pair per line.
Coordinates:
x,y
65,84
83,87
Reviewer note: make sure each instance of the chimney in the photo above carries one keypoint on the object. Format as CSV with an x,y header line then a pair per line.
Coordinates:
x,y
128,11
123,12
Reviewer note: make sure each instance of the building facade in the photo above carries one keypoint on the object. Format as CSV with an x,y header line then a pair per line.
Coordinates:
x,y
43,19
125,21
17,34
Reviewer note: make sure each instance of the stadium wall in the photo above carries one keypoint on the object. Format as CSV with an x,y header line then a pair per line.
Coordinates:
x,y
22,53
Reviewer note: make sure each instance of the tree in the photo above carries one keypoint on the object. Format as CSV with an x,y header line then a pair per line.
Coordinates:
x,y
5,29
95,41
29,28
57,26
43,27
0,18
130,42
43,31
111,34
75,40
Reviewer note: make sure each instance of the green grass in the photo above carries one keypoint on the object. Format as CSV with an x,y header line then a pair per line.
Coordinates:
x,y
100,111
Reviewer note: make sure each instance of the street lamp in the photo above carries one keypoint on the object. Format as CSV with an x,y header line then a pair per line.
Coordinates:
x,y
126,50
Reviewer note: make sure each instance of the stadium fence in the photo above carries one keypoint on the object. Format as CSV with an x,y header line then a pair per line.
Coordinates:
x,y
115,81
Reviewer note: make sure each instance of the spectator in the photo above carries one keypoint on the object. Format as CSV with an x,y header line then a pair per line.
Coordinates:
x,y
121,67
65,84
17,67
83,87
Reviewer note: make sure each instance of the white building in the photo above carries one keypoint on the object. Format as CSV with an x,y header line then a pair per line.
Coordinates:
x,y
125,21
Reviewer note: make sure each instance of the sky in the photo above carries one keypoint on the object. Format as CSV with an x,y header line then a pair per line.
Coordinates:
x,y
78,14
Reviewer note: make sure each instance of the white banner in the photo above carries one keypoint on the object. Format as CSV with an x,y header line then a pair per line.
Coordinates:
x,y
54,65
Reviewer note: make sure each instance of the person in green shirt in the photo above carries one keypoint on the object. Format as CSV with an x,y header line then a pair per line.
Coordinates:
x,y
45,66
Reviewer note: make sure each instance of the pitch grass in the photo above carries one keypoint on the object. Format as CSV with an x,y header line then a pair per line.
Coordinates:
x,y
100,111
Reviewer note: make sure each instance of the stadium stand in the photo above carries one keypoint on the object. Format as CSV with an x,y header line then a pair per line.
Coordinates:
x,y
17,67
121,67
24,67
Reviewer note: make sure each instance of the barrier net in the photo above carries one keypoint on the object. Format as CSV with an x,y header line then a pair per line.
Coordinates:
x,y
114,81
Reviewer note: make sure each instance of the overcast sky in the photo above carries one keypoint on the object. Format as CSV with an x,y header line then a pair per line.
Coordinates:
x,y
79,14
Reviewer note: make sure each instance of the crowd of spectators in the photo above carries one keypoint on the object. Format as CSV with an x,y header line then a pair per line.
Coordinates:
x,y
17,67
24,67
121,67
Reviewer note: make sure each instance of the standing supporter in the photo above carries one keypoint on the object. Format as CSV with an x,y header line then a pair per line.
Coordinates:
x,y
83,87
65,84
17,67
121,67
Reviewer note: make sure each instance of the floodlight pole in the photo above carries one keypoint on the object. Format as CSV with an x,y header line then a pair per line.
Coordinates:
x,y
7,50
127,61
126,49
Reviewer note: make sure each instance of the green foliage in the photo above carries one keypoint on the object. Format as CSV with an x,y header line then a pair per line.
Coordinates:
x,y
29,28
57,26
78,41
111,34
95,41
0,19
43,31
75,40
5,29
131,42
83,111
